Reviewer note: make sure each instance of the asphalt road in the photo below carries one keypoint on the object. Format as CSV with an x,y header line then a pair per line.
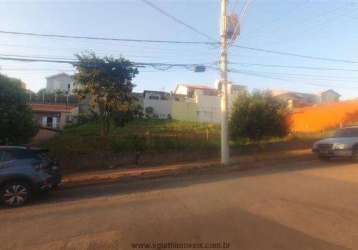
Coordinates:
x,y
302,205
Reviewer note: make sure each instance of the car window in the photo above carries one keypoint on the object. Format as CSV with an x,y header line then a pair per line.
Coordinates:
x,y
23,154
347,132
5,156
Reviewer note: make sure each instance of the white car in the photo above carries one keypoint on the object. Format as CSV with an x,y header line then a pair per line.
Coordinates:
x,y
344,143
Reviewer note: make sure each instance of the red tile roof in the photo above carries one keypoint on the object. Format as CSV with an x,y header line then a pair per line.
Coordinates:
x,y
52,107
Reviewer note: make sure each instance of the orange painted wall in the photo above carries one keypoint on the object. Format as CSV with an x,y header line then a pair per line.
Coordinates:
x,y
323,117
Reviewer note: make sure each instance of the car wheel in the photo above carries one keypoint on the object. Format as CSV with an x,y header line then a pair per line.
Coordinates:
x,y
324,157
15,194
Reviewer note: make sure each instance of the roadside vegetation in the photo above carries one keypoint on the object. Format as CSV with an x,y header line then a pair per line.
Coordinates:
x,y
108,82
139,136
17,123
116,132
259,116
149,141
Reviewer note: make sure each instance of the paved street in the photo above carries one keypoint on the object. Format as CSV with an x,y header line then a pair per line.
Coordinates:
x,y
306,205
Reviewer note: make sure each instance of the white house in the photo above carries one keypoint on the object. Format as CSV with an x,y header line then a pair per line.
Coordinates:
x,y
62,82
157,104
201,103
299,99
329,96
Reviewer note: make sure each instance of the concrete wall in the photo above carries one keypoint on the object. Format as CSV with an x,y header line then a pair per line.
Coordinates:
x,y
184,111
161,107
208,108
201,108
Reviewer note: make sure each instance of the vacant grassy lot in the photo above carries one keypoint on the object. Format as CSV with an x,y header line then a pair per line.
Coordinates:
x,y
139,136
151,142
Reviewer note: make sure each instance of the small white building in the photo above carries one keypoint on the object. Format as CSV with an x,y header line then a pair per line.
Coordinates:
x,y
329,96
59,82
157,104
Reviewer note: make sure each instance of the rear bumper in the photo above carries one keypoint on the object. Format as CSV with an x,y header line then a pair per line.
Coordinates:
x,y
334,152
51,182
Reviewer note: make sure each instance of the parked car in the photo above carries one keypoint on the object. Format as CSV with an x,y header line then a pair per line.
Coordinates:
x,y
24,172
344,143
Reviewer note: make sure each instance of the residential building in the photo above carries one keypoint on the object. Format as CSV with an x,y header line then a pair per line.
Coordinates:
x,y
59,82
157,104
329,96
201,103
54,116
298,99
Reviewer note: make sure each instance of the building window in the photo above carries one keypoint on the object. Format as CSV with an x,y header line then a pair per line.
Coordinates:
x,y
153,97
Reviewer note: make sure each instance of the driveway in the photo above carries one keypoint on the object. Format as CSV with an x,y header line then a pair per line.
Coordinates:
x,y
299,205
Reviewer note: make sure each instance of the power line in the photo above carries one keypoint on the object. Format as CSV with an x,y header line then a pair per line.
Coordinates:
x,y
104,38
156,65
268,51
294,54
329,16
158,51
293,67
304,76
177,20
284,80
278,18
19,59
40,57
301,77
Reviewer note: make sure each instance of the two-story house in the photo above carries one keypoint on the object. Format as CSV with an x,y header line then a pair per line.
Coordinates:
x,y
59,82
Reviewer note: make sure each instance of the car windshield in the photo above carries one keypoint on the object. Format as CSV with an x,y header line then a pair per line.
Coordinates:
x,y
347,132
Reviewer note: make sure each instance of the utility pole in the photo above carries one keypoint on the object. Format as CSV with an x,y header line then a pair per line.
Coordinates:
x,y
223,81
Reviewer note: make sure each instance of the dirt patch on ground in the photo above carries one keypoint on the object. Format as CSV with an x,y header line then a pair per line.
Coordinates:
x,y
43,135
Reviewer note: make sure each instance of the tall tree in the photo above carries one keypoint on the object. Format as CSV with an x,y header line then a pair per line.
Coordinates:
x,y
108,81
257,116
17,123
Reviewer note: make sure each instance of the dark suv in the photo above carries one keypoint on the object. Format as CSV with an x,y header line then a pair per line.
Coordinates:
x,y
23,172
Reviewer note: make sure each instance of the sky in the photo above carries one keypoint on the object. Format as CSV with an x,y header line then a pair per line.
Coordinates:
x,y
316,28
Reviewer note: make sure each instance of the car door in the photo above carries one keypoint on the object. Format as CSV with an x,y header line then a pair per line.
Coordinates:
x,y
5,158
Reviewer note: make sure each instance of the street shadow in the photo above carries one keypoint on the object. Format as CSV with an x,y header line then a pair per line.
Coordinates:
x,y
131,185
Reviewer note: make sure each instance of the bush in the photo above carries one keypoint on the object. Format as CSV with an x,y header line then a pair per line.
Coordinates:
x,y
138,136
17,124
258,116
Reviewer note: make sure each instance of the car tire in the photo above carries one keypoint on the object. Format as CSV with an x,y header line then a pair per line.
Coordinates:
x,y
15,193
324,157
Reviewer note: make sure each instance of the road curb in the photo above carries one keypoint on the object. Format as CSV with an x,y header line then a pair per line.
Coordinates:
x,y
243,163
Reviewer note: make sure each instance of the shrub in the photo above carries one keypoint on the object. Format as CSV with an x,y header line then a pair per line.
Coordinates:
x,y
258,116
17,123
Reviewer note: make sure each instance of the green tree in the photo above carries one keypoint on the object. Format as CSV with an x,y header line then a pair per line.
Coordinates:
x,y
257,116
17,123
108,81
